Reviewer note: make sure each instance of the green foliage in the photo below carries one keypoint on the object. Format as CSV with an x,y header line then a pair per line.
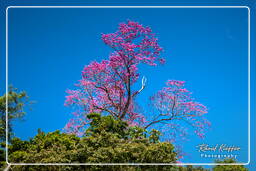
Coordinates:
x,y
229,167
136,132
107,141
192,168
107,168
154,136
16,103
106,123
44,148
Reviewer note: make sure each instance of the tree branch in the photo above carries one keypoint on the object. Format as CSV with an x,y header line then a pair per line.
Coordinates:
x,y
143,85
157,121
128,93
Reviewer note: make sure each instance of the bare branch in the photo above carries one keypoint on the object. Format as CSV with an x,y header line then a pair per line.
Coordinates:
x,y
143,85
105,109
157,121
108,95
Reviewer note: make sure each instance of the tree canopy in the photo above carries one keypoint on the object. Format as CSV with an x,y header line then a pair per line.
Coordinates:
x,y
107,140
228,167
16,102
108,87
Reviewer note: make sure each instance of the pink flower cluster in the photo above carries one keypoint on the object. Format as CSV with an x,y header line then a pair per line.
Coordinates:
x,y
175,102
107,86
135,43
76,125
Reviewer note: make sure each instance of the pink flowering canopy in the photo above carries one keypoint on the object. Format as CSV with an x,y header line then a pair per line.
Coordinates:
x,y
107,87
175,105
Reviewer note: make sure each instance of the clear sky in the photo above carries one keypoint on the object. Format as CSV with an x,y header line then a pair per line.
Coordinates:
x,y
207,48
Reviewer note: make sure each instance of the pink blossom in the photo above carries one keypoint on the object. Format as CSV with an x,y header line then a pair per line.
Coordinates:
x,y
107,86
176,103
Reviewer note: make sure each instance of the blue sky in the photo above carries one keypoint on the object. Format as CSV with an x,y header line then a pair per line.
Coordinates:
x,y
207,48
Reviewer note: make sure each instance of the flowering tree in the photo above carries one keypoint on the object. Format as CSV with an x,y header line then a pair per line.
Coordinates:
x,y
108,86
174,103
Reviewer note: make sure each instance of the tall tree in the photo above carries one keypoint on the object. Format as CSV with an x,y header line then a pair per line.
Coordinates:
x,y
16,102
108,86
